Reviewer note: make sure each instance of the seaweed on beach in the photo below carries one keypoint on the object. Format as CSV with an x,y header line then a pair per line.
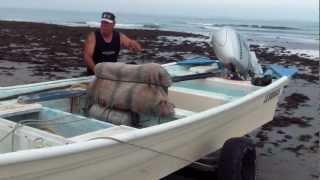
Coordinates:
x,y
285,121
7,68
55,48
308,77
296,150
305,137
293,101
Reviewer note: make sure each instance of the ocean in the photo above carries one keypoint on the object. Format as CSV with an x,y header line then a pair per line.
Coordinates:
x,y
292,34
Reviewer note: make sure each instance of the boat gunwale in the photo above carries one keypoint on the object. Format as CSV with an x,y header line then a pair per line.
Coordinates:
x,y
7,92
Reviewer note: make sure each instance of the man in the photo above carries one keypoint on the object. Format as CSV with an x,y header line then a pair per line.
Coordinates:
x,y
104,44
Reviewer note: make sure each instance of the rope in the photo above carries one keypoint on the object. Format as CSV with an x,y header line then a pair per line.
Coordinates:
x,y
5,136
26,122
155,151
39,122
137,82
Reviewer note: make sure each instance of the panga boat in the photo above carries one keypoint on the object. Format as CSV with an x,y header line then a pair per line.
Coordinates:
x,y
46,133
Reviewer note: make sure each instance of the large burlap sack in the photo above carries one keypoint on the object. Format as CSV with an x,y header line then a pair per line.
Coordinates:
x,y
137,97
117,117
150,73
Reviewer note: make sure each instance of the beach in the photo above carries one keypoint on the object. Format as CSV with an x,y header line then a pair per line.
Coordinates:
x,y
287,147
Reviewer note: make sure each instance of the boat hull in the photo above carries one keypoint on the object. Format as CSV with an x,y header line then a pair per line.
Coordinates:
x,y
148,153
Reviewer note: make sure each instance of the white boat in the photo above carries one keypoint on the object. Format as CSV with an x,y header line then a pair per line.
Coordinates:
x,y
52,138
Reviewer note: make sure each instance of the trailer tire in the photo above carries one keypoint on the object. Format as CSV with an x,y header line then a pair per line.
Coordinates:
x,y
237,160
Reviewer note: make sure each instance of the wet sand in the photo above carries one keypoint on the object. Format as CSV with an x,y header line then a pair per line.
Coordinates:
x,y
288,146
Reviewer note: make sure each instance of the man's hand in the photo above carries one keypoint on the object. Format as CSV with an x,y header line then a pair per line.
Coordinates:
x,y
131,44
134,46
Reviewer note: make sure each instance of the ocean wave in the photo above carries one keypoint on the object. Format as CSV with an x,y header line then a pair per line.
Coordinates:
x,y
258,26
97,24
253,26
276,31
140,26
129,26
152,26
81,24
250,30
118,25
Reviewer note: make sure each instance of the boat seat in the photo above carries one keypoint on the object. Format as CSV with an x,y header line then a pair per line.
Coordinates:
x,y
182,112
147,121
8,110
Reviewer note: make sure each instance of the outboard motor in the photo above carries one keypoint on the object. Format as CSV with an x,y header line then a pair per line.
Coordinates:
x,y
233,51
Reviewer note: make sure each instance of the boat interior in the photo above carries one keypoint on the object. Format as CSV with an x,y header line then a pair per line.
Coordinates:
x,y
47,118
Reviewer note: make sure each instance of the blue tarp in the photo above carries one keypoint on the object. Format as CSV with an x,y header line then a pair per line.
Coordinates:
x,y
197,61
282,71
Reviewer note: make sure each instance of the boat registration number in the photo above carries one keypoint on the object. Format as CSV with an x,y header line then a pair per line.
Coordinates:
x,y
271,95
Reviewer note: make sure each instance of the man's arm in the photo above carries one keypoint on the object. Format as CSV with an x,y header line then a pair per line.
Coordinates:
x,y
88,51
129,43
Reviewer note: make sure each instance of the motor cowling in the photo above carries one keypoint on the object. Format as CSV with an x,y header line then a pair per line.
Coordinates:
x,y
233,51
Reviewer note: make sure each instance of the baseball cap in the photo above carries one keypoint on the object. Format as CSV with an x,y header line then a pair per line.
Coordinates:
x,y
108,17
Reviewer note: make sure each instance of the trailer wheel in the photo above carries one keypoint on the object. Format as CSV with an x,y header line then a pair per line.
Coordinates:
x,y
237,160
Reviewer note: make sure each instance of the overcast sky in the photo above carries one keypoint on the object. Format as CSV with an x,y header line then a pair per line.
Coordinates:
x,y
256,9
